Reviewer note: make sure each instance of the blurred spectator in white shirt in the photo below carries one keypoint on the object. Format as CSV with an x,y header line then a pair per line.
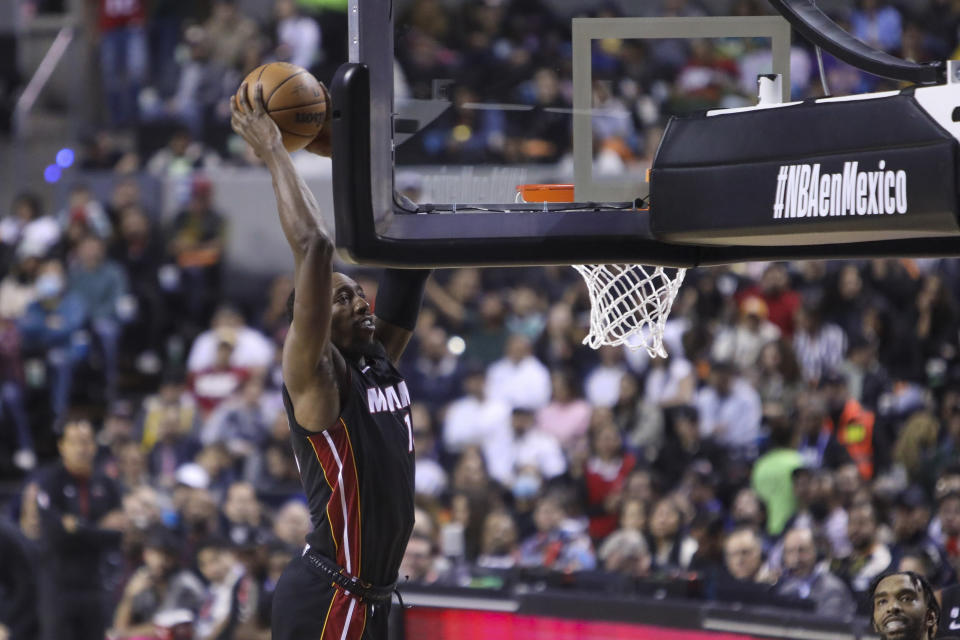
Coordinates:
x,y
671,382
729,410
529,449
475,418
603,383
519,379
27,228
819,345
17,290
298,36
252,349
431,479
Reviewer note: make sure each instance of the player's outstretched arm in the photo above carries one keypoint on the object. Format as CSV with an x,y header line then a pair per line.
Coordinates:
x,y
312,368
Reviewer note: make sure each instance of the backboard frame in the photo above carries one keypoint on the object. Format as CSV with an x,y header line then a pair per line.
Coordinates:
x,y
372,227
585,30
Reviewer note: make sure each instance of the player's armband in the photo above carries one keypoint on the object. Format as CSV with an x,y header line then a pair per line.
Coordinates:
x,y
399,296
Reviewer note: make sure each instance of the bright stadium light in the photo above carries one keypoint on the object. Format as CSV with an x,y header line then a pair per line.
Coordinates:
x,y
65,158
52,173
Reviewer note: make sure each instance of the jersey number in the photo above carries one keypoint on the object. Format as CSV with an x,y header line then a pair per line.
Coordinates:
x,y
406,419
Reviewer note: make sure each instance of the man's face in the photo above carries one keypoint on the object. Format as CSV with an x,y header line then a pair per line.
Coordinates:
x,y
665,520
90,252
835,393
774,280
241,505
351,323
518,348
860,527
607,442
547,516
949,513
474,384
158,562
848,481
416,559
743,555
292,524
522,421
214,563
499,534
722,380
803,488
746,508
633,516
78,448
900,610
799,553
909,521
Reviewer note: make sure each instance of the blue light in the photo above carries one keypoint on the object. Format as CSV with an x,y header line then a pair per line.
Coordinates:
x,y
65,157
52,173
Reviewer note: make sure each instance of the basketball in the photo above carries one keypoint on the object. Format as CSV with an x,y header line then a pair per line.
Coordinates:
x,y
295,100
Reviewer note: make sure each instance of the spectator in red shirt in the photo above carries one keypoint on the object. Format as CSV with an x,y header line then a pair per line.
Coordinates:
x,y
604,477
123,55
216,383
782,301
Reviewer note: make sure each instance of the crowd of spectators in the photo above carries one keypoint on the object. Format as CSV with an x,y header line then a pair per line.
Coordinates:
x,y
170,68
802,436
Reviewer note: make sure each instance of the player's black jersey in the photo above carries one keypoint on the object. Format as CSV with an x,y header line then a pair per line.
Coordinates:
x,y
950,613
359,473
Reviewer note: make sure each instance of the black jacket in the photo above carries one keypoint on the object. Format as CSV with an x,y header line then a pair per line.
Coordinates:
x,y
18,585
77,555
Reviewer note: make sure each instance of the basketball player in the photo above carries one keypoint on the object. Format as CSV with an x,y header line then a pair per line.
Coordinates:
x,y
904,607
349,414
950,605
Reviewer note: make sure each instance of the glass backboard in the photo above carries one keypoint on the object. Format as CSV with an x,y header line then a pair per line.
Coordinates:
x,y
491,94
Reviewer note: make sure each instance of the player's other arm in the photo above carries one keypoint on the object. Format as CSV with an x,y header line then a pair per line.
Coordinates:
x,y
399,297
312,368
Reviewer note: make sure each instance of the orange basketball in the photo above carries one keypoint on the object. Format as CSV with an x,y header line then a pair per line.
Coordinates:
x,y
295,100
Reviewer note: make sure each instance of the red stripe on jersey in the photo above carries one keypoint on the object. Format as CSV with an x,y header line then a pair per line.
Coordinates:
x,y
335,453
352,480
346,618
328,466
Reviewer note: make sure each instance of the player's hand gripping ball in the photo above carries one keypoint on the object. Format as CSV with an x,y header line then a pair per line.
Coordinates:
x,y
297,102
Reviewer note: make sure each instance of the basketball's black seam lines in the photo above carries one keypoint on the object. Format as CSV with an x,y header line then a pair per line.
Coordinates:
x,y
298,135
302,106
254,101
266,102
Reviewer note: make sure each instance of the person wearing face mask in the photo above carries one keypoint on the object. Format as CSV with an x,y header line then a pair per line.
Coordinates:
x,y
50,327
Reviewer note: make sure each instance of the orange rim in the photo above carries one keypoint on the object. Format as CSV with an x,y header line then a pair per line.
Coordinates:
x,y
546,192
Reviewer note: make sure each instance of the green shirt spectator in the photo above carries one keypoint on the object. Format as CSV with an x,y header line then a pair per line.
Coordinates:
x,y
772,480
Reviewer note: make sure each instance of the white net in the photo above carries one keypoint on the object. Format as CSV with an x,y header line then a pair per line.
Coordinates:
x,y
630,304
